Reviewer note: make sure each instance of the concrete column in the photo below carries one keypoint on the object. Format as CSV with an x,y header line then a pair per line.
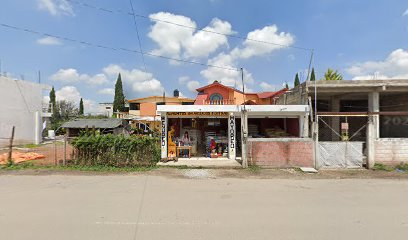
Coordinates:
x,y
231,137
163,139
244,135
335,121
304,126
38,128
372,127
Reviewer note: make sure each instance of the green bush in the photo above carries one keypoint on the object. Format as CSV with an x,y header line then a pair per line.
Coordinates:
x,y
115,150
402,167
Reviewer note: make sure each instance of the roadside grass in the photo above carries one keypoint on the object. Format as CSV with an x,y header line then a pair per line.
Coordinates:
x,y
31,166
402,167
254,169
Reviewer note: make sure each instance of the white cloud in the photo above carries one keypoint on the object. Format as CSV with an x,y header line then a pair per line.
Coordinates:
x,y
183,79
135,81
107,91
68,93
68,75
71,94
71,75
193,85
266,34
395,66
405,13
176,42
202,43
267,87
48,41
56,7
249,49
227,77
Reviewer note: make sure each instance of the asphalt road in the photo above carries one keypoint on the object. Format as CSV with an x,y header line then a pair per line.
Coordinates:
x,y
154,207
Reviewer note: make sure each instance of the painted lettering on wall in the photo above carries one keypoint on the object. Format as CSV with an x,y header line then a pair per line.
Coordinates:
x,y
163,131
197,114
232,132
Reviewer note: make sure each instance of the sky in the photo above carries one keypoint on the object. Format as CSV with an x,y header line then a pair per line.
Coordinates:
x,y
270,40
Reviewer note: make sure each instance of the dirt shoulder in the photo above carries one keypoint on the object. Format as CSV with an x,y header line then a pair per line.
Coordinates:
x,y
223,173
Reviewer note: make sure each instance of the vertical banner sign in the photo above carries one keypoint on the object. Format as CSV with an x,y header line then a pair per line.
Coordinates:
x,y
163,137
231,134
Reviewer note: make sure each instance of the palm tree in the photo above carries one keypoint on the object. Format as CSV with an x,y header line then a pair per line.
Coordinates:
x,y
331,74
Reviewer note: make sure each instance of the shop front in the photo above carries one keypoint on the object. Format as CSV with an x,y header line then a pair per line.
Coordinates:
x,y
198,131
219,132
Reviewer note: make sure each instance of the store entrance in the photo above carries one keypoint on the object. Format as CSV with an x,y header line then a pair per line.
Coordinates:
x,y
200,137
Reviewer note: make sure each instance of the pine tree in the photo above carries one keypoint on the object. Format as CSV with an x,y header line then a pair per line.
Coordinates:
x,y
55,113
81,107
297,81
313,76
286,85
52,101
119,100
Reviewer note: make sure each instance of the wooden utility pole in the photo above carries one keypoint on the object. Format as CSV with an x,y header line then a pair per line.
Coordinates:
x,y
10,154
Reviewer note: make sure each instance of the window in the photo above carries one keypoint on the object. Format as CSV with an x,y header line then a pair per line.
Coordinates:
x,y
216,97
161,103
108,107
187,103
134,106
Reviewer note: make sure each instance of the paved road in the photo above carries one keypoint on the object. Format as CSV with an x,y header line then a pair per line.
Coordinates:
x,y
153,207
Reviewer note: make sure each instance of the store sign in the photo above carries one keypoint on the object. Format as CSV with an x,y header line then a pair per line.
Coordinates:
x,y
163,131
215,114
232,132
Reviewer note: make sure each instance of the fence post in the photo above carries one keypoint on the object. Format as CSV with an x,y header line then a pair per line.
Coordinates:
x,y
55,151
65,149
10,154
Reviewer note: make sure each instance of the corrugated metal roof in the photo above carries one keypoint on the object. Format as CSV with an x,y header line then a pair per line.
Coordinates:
x,y
98,123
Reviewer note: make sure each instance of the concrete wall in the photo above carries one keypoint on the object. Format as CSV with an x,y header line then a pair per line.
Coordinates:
x,y
19,100
391,150
295,96
286,152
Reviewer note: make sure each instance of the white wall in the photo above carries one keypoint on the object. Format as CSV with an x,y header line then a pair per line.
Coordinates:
x,y
19,100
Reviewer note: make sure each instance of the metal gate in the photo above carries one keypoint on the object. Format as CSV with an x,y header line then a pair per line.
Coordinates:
x,y
341,141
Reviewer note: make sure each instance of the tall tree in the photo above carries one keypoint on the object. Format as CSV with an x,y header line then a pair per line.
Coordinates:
x,y
297,81
331,74
81,107
286,85
119,100
54,108
312,75
53,101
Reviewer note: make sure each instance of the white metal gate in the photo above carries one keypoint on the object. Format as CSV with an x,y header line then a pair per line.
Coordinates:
x,y
340,154
341,141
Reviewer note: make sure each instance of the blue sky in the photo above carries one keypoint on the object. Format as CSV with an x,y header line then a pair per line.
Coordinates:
x,y
362,39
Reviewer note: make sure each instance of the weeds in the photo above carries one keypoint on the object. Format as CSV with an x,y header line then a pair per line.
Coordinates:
x,y
116,151
382,167
254,168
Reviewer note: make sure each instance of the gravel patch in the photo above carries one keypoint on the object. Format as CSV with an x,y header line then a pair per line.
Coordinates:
x,y
198,173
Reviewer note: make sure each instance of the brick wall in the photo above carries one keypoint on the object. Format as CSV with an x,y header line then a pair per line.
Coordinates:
x,y
281,152
391,150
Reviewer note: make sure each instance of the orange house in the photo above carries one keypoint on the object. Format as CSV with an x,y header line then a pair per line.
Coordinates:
x,y
218,94
142,111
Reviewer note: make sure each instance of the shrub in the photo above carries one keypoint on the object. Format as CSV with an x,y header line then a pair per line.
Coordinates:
x,y
115,150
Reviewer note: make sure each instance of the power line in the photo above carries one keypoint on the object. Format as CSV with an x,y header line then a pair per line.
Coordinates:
x,y
182,25
138,37
113,48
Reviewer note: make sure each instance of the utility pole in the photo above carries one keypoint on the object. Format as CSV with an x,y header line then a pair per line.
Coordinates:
x,y
244,126
39,76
